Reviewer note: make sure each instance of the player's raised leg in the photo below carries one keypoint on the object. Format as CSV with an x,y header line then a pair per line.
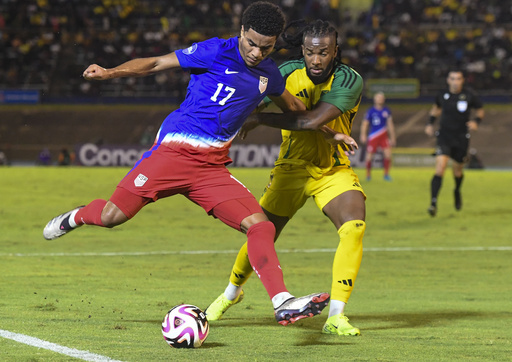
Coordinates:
x,y
61,224
98,212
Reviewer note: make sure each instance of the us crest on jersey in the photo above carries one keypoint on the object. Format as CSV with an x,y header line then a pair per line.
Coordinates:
x,y
462,106
263,84
140,180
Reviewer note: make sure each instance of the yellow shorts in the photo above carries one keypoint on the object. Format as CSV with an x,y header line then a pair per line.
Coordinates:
x,y
290,186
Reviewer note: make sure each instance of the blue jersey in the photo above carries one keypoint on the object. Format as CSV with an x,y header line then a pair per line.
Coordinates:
x,y
221,93
378,119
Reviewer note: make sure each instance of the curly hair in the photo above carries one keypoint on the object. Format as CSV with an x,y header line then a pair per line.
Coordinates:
x,y
296,31
264,18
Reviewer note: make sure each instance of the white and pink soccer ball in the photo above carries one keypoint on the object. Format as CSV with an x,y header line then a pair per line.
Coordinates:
x,y
185,326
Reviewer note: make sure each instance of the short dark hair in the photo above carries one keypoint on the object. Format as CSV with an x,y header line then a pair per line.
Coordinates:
x,y
456,70
264,18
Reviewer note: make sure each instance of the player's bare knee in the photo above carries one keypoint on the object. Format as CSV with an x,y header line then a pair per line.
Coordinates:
x,y
252,220
112,216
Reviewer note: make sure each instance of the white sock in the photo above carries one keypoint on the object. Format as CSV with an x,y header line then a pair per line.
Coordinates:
x,y
232,291
280,298
336,307
71,219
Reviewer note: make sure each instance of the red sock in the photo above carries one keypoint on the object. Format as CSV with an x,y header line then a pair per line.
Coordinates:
x,y
263,257
368,168
387,164
91,214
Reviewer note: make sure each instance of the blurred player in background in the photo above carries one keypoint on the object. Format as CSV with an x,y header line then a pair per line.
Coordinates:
x,y
229,78
310,166
378,132
454,105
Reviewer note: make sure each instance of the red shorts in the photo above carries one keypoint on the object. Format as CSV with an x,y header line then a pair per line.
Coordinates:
x,y
165,172
381,141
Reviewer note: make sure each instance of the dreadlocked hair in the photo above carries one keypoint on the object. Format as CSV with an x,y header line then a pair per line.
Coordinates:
x,y
264,18
296,31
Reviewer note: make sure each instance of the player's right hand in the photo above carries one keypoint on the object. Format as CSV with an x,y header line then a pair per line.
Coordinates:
x,y
95,72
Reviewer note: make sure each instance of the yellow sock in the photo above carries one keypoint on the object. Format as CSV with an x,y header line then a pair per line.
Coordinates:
x,y
347,259
242,268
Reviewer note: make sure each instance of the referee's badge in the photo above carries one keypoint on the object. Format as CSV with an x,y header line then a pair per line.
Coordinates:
x,y
462,106
263,84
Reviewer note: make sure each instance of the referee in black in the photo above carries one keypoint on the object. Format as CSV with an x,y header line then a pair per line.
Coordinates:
x,y
455,106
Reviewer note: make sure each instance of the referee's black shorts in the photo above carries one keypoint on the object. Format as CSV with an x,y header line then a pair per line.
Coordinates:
x,y
453,145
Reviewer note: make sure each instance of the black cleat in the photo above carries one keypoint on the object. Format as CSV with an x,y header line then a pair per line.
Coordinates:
x,y
432,210
458,200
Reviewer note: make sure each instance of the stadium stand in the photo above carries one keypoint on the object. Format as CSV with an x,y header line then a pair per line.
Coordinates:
x,y
46,44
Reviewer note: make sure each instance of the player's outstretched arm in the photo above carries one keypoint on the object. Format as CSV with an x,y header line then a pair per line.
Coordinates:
x,y
138,67
299,120
286,102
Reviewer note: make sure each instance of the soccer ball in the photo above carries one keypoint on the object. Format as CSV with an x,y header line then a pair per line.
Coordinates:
x,y
185,326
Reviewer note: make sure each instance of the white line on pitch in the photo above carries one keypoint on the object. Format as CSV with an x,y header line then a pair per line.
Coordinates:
x,y
197,252
39,343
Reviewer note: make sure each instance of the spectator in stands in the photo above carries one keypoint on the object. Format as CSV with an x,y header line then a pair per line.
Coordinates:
x,y
45,157
66,158
45,44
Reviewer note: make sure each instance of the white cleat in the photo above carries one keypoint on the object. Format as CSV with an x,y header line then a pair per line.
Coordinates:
x,y
59,225
297,308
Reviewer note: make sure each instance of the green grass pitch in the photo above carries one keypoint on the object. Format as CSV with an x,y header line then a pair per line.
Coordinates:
x,y
428,289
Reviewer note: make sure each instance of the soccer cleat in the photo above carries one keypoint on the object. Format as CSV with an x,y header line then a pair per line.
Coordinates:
x,y
297,308
338,324
458,199
59,225
387,178
216,310
432,210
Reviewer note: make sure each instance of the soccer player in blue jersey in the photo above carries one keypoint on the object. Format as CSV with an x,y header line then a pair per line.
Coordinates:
x,y
378,132
310,166
229,78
